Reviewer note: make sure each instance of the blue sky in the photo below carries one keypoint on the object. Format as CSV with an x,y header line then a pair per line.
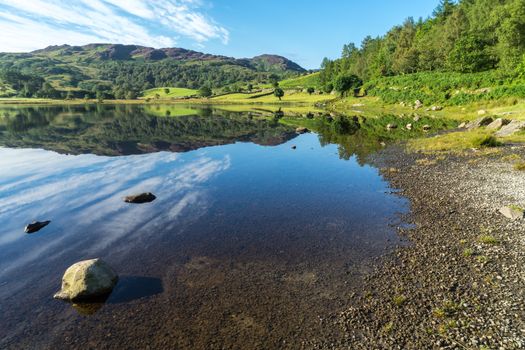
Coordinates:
x,y
302,30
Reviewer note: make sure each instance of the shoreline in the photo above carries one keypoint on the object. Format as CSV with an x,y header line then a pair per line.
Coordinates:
x,y
452,287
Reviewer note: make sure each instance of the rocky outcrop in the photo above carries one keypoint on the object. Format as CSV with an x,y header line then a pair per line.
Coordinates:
x,y
511,128
498,124
87,280
483,121
301,130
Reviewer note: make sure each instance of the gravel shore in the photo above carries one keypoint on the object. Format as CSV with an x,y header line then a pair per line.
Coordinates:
x,y
460,284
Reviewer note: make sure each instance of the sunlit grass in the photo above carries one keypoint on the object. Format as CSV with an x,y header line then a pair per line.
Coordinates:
x,y
454,141
168,92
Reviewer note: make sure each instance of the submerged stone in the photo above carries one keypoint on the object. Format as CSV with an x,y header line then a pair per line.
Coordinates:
x,y
36,226
88,279
140,198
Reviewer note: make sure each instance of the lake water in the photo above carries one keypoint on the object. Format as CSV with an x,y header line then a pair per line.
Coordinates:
x,y
250,244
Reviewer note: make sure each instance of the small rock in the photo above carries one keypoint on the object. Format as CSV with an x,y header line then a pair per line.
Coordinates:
x,y
482,112
498,124
436,108
426,127
36,226
416,118
483,121
140,198
418,104
86,280
301,130
513,213
383,144
409,126
462,125
513,127
391,126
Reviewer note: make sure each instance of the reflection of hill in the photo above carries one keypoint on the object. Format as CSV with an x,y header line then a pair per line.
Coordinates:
x,y
123,130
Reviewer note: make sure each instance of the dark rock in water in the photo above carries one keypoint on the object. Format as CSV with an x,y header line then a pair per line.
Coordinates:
x,y
36,226
140,198
294,147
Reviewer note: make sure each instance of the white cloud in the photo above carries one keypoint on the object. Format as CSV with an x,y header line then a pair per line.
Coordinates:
x,y
32,24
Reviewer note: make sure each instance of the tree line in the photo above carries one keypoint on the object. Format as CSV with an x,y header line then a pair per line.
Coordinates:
x,y
465,36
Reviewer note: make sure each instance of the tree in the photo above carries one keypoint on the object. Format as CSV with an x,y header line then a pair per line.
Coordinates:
x,y
278,92
310,90
444,9
100,96
469,55
205,91
345,82
274,80
166,91
250,87
131,95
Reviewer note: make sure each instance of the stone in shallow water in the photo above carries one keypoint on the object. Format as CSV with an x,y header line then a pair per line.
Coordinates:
x,y
140,198
512,213
87,280
36,226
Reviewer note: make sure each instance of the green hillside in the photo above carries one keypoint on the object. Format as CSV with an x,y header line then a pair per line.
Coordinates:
x,y
125,71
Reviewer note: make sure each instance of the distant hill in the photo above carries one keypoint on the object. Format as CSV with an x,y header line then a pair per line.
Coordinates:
x,y
120,71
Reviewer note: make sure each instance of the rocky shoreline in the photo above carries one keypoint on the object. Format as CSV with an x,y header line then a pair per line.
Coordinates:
x,y
460,283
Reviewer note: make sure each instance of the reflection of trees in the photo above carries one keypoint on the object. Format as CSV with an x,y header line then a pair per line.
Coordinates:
x,y
365,138
129,129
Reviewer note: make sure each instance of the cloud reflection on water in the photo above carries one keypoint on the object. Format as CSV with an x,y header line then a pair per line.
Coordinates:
x,y
82,195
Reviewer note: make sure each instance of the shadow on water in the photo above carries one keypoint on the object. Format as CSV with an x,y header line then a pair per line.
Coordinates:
x,y
131,288
128,288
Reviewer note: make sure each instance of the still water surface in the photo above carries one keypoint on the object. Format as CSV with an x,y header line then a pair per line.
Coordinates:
x,y
250,243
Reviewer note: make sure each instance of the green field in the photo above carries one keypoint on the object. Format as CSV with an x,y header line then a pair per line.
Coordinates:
x,y
290,96
173,93
302,82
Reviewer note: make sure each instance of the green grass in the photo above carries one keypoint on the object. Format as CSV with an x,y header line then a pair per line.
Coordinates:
x,y
488,239
302,82
446,87
519,166
173,93
454,141
289,97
